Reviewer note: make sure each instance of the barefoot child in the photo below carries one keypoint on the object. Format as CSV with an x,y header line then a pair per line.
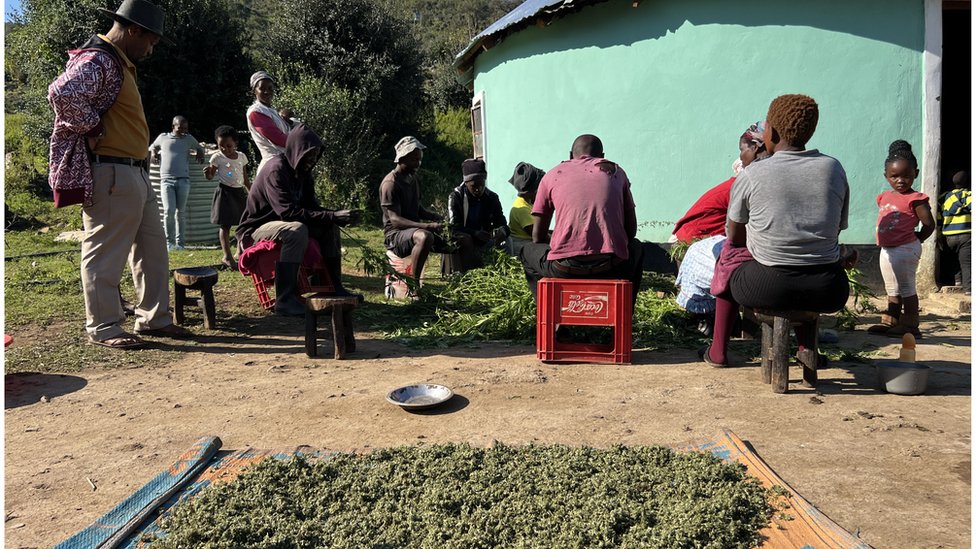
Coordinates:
x,y
231,194
900,210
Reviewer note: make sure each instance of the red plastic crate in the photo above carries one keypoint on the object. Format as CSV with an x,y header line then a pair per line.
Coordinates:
x,y
584,302
262,285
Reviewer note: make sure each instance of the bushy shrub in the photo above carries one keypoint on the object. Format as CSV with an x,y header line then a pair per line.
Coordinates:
x,y
448,140
203,76
350,144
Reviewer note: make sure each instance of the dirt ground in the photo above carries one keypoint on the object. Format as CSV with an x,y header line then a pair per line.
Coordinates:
x,y
896,469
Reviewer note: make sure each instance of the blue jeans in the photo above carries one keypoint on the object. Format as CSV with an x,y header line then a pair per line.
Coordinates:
x,y
175,192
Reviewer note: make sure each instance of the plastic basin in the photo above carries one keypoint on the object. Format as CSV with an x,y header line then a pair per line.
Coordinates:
x,y
902,378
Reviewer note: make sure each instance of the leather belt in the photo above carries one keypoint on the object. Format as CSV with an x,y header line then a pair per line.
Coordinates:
x,y
103,159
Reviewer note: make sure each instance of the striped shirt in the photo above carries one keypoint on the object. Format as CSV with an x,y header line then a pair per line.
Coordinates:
x,y
956,211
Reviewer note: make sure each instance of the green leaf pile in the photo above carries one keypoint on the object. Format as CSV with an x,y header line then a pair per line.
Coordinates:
x,y
457,496
494,303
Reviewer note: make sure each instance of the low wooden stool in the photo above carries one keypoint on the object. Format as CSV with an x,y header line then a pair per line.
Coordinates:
x,y
342,332
195,278
776,326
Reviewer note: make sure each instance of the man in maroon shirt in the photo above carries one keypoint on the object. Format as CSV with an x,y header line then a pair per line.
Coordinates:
x,y
596,221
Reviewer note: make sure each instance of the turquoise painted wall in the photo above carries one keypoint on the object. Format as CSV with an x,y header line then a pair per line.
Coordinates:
x,y
670,86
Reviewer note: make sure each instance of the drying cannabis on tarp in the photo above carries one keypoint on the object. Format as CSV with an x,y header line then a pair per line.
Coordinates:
x,y
457,496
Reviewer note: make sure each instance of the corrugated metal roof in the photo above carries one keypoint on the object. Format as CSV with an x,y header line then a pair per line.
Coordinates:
x,y
529,12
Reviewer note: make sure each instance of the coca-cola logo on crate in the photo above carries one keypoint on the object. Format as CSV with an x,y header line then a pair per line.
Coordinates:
x,y
588,304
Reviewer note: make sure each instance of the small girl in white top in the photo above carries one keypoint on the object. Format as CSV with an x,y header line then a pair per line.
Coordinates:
x,y
230,197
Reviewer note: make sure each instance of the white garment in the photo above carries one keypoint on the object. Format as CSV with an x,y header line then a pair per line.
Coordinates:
x,y
267,148
898,267
230,171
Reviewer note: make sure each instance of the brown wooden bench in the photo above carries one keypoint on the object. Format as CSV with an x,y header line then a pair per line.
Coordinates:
x,y
195,278
342,335
776,326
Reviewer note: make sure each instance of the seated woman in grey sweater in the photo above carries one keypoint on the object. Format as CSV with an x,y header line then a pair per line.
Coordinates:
x,y
793,207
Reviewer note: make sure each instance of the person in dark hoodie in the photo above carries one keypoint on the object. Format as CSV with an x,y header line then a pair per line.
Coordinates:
x,y
475,219
281,206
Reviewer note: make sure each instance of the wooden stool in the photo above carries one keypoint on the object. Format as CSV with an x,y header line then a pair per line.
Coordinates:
x,y
342,332
195,278
776,326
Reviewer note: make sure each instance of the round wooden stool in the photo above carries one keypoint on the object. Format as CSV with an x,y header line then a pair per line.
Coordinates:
x,y
342,332
195,278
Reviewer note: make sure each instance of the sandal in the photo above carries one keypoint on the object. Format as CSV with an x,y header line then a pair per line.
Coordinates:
x,y
703,356
173,331
123,342
229,265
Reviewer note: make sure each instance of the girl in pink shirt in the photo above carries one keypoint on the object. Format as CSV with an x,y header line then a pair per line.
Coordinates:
x,y
900,210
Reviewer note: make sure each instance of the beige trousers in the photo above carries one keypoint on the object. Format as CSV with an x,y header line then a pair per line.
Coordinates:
x,y
123,223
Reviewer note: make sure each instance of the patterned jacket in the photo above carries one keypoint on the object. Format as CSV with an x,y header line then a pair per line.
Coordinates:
x,y
80,96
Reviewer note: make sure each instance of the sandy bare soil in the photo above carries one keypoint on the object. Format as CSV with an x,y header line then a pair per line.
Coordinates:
x,y
895,469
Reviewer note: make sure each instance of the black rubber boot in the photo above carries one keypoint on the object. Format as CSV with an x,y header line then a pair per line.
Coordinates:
x,y
333,265
286,290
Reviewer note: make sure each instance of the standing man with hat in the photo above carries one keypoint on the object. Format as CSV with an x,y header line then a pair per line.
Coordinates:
x,y
98,160
475,219
409,229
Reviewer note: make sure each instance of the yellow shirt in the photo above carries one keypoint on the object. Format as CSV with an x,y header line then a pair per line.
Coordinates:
x,y
126,130
520,217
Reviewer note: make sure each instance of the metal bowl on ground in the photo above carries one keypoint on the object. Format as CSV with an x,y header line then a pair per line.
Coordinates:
x,y
902,378
419,396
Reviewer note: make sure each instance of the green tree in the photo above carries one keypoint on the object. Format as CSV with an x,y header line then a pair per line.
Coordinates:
x,y
444,28
352,72
203,76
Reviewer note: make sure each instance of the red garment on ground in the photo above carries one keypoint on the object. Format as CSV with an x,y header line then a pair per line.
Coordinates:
x,y
706,217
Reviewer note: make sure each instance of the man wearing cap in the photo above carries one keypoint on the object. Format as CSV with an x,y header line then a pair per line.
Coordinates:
x,y
596,221
475,219
98,160
526,180
269,130
409,229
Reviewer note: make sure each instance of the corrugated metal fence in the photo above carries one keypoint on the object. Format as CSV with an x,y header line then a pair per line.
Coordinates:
x,y
200,231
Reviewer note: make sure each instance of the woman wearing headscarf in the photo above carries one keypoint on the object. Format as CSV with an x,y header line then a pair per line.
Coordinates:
x,y
526,182
268,130
704,227
706,217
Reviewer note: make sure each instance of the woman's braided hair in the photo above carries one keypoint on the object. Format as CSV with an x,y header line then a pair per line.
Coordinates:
x,y
901,150
794,117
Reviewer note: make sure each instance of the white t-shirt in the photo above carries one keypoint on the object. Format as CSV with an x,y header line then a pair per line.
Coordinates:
x,y
230,172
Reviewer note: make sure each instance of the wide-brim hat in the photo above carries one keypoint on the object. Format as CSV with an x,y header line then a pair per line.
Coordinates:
x,y
142,13
526,178
406,146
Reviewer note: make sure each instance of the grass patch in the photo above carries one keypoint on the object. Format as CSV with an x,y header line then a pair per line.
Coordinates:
x,y
458,496
69,351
